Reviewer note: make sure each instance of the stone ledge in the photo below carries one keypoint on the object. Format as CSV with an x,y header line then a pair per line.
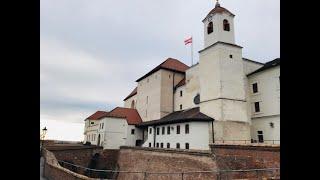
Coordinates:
x,y
165,150
260,147
71,147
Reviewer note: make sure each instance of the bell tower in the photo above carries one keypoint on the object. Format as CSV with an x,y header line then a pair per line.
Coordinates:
x,y
218,26
222,78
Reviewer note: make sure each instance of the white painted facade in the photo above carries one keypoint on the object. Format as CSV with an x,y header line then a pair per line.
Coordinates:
x,y
90,131
222,80
113,133
199,135
267,119
185,99
131,102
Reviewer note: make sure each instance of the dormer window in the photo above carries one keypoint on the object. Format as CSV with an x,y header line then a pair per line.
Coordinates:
x,y
210,28
226,25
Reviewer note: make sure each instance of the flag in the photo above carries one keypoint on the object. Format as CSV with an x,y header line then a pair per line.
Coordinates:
x,y
188,41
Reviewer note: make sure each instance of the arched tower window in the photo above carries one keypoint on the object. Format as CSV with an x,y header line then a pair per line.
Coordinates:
x,y
210,28
226,25
132,104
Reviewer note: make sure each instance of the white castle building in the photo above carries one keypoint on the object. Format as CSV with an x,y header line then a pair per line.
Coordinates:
x,y
224,98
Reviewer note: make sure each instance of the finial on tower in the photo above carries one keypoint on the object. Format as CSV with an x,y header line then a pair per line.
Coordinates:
x,y
217,3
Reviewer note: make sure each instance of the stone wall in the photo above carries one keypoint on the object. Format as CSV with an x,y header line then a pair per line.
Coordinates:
x,y
82,156
53,170
158,162
251,156
152,164
79,155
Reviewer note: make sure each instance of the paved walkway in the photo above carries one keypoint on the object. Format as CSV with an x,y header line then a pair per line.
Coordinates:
x,y
41,169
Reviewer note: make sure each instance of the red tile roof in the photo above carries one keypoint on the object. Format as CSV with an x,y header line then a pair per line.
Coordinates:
x,y
218,9
134,92
181,83
131,115
169,64
97,115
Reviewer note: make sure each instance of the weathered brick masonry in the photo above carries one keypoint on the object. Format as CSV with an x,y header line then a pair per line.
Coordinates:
x,y
53,170
170,163
164,161
79,155
239,157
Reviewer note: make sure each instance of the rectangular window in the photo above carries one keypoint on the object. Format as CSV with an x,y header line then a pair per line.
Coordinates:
x,y
180,106
102,125
163,130
150,130
260,136
168,130
132,131
180,93
149,144
161,145
158,131
178,146
187,145
168,145
187,129
255,87
157,145
91,122
256,107
178,129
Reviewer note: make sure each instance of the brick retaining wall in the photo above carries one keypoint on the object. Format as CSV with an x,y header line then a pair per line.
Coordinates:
x,y
239,157
153,160
53,170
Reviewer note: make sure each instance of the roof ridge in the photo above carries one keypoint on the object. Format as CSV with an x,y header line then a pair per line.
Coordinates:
x,y
170,64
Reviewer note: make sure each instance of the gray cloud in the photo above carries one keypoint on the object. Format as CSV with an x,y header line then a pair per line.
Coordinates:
x,y
93,51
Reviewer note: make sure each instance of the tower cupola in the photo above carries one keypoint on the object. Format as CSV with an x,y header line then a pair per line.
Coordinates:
x,y
218,26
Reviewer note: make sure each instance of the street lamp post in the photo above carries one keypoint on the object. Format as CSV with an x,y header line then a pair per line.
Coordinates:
x,y
42,136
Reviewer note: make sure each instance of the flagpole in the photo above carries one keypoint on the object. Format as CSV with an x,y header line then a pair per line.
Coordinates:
x,y
191,51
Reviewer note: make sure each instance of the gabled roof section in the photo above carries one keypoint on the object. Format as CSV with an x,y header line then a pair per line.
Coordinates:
x,y
187,115
170,64
134,92
97,115
220,42
218,9
245,59
268,65
131,115
181,83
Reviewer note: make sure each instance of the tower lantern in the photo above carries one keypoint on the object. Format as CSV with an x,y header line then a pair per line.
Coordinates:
x,y
218,26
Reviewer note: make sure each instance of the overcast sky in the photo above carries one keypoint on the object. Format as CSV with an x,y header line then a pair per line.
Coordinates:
x,y
92,51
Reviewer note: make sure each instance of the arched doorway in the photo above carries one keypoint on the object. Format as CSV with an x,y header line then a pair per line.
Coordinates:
x,y
98,143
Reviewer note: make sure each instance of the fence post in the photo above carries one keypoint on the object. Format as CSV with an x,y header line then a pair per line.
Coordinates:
x,y
218,175
182,175
145,175
258,175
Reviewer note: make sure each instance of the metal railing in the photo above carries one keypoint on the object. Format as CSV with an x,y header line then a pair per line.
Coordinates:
x,y
247,141
217,174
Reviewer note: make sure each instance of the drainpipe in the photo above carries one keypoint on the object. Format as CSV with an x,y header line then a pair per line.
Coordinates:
x,y
173,91
154,136
212,132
